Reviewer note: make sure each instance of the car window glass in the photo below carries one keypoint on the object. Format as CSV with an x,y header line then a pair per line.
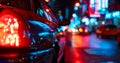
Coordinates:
x,y
38,27
22,4
43,10
49,15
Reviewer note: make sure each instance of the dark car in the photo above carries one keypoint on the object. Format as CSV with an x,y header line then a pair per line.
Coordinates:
x,y
28,30
118,37
108,30
84,30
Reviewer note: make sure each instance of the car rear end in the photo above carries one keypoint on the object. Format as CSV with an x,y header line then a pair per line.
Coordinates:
x,y
16,44
84,31
118,37
27,56
107,30
21,43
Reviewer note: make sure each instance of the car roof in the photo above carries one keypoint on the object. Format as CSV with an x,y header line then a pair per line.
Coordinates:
x,y
28,6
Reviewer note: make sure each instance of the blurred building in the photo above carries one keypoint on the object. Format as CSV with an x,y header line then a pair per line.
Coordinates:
x,y
103,11
96,11
65,6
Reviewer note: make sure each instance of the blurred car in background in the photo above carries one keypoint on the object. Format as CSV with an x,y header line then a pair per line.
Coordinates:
x,y
109,30
118,37
28,30
84,30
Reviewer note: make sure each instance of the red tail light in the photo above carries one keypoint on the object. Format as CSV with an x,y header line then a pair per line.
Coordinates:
x,y
9,31
12,32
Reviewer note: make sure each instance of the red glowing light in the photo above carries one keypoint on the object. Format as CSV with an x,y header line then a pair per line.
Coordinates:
x,y
47,10
9,31
9,55
77,61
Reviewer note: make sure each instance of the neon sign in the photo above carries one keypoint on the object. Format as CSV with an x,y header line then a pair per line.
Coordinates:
x,y
97,7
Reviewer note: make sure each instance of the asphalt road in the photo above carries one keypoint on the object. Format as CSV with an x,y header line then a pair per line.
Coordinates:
x,y
91,49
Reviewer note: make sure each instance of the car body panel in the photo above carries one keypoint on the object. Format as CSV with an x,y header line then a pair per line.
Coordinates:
x,y
40,30
107,30
41,56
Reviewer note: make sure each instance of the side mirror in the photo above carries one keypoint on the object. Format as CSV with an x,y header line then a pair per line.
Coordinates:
x,y
64,22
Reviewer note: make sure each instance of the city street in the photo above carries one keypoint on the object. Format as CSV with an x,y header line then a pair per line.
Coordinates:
x,y
91,49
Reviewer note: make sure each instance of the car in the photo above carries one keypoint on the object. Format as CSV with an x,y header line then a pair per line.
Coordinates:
x,y
84,30
118,37
28,32
108,30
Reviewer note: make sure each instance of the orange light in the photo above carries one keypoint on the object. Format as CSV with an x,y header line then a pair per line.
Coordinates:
x,y
47,0
86,30
61,33
77,4
98,31
80,30
47,10
69,30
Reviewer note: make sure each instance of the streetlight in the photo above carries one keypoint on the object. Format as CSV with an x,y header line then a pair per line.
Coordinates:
x,y
47,0
77,4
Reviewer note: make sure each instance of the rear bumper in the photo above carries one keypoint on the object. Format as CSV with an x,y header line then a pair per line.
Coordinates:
x,y
42,56
84,33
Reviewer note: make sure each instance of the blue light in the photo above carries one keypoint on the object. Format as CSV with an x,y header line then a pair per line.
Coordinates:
x,y
61,17
44,34
85,20
40,52
99,5
103,3
80,0
92,1
84,8
40,24
93,20
116,14
108,15
106,4
102,6
75,21
76,8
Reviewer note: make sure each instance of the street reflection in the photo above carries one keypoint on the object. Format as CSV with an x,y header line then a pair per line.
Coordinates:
x,y
9,55
103,52
73,55
90,49
80,41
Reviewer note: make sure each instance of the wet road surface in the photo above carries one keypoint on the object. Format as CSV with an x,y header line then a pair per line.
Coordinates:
x,y
91,49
